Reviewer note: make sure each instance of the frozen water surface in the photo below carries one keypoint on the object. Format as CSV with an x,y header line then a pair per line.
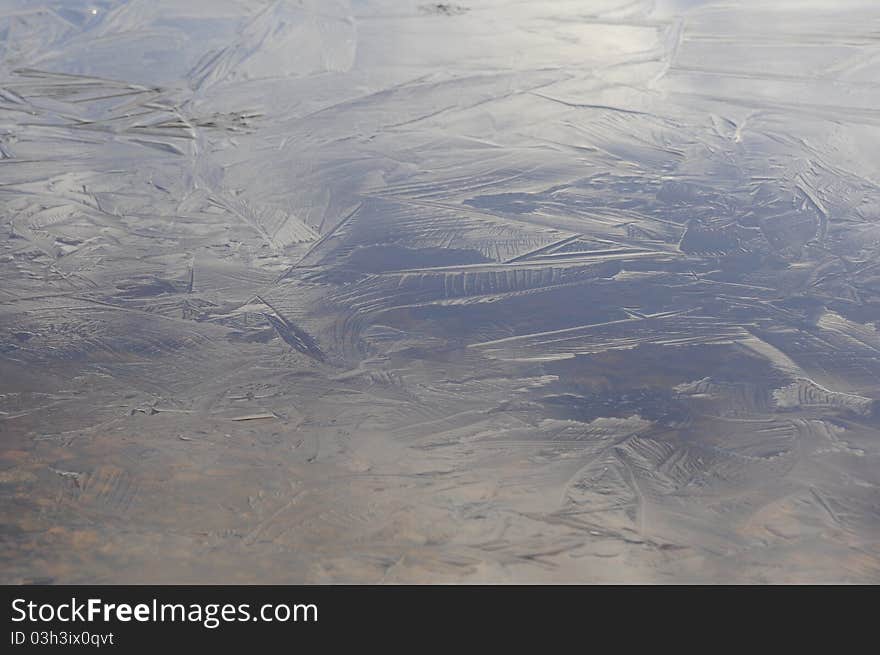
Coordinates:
x,y
460,292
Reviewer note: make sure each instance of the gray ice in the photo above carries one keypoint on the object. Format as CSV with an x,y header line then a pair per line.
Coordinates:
x,y
482,291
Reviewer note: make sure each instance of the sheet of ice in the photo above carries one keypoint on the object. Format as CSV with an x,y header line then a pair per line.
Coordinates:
x,y
490,291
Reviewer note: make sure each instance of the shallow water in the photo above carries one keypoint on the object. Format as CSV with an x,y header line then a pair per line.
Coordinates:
x,y
403,292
